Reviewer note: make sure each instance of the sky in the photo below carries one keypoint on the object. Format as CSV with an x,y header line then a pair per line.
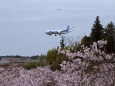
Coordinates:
x,y
23,22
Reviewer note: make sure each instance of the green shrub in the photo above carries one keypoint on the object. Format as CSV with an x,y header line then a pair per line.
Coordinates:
x,y
54,59
31,65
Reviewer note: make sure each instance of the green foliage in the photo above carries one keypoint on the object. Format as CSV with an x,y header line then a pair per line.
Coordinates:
x,y
54,59
86,41
36,63
72,50
110,37
97,31
42,60
31,65
51,56
66,47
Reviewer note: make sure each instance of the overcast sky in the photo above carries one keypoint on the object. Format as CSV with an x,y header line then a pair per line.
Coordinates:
x,y
23,22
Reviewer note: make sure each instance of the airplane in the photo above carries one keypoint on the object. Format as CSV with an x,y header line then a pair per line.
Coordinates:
x,y
58,32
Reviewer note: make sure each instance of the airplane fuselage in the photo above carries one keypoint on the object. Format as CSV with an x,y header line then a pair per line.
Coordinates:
x,y
57,32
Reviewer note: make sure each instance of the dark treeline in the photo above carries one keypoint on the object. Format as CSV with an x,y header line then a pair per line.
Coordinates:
x,y
19,56
98,32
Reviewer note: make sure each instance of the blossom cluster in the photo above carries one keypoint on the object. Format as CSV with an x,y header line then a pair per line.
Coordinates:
x,y
102,43
92,67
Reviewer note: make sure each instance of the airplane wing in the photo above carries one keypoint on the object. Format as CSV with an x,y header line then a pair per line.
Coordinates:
x,y
66,30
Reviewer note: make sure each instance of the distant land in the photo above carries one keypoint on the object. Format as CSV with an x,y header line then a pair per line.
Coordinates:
x,y
17,58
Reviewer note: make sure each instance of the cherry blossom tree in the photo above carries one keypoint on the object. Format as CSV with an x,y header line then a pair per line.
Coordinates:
x,y
90,67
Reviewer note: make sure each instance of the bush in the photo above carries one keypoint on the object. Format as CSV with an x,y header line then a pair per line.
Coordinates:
x,y
54,59
30,65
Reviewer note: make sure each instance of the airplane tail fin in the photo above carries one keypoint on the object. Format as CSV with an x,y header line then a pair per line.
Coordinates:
x,y
67,27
